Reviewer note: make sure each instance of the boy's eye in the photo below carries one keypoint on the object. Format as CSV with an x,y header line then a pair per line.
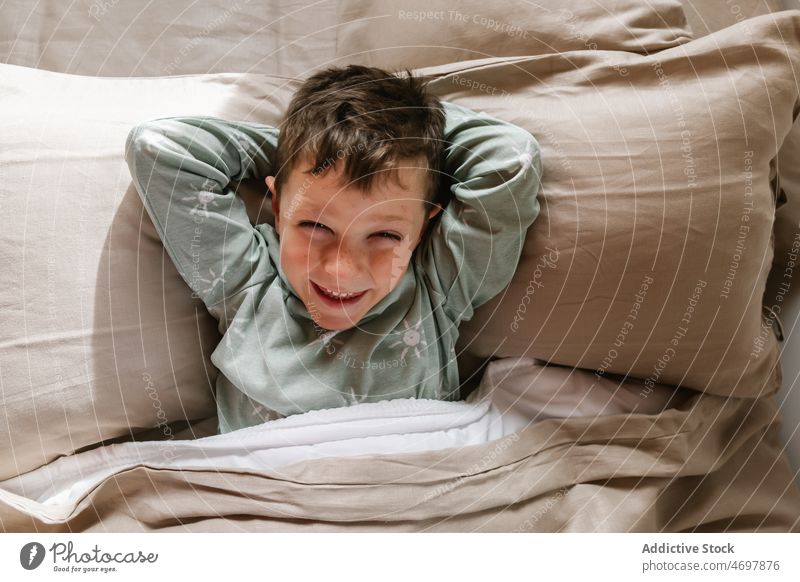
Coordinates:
x,y
387,235
313,224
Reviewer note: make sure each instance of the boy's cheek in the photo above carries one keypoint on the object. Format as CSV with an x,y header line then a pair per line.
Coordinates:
x,y
294,258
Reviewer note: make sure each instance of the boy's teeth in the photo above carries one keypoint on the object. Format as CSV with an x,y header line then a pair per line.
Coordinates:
x,y
338,295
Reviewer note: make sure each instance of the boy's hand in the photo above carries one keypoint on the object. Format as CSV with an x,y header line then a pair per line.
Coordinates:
x,y
496,170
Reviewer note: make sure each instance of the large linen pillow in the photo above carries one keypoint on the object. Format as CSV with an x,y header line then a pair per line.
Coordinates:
x,y
101,338
787,216
180,37
705,17
421,33
651,252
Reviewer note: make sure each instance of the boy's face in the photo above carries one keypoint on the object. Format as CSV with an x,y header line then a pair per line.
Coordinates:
x,y
360,243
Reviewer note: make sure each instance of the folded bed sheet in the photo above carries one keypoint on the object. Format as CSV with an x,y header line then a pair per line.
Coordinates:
x,y
707,464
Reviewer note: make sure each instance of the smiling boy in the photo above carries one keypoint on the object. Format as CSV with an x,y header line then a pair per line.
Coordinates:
x,y
356,293
343,252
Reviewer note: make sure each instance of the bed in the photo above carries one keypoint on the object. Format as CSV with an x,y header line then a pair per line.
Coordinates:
x,y
629,378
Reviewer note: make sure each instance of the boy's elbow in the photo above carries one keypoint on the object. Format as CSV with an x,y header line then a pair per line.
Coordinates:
x,y
146,136
131,142
529,159
538,169
136,141
140,152
531,168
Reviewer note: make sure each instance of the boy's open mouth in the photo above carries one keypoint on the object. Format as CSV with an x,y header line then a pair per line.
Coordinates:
x,y
334,301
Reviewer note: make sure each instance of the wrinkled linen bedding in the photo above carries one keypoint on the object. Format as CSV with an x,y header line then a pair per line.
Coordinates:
x,y
389,426
509,398
708,463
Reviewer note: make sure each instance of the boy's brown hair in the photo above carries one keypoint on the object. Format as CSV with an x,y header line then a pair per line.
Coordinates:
x,y
366,118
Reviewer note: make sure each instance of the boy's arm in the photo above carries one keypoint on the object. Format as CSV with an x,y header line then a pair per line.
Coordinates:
x,y
182,168
473,251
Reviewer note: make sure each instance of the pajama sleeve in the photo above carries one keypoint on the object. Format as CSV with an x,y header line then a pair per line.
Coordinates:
x,y
182,168
472,252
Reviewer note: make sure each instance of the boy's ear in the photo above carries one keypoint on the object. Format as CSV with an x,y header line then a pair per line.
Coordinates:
x,y
437,208
270,182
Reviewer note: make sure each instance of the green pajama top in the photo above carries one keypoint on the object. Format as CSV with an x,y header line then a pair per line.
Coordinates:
x,y
273,359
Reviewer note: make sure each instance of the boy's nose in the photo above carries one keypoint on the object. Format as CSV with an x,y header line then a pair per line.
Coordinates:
x,y
341,265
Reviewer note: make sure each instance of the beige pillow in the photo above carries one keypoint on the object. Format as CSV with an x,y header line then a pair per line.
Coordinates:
x,y
650,255
180,37
421,33
101,337
705,17
787,216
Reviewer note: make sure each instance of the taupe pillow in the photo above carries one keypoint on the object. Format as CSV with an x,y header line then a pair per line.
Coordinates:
x,y
101,337
421,33
181,37
651,252
787,216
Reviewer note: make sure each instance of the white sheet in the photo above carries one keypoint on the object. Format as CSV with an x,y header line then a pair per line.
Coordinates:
x,y
394,426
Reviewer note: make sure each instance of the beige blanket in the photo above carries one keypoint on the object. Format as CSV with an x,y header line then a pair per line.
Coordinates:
x,y
709,464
